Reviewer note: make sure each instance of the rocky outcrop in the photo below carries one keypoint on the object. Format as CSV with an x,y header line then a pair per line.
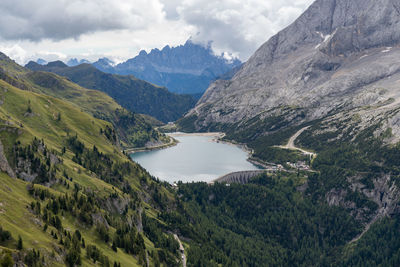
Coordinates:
x,y
116,205
385,194
4,166
338,55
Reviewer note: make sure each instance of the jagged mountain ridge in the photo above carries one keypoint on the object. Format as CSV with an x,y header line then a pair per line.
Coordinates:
x,y
338,55
187,68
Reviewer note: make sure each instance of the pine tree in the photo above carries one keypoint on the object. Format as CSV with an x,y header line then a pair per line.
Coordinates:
x,y
20,244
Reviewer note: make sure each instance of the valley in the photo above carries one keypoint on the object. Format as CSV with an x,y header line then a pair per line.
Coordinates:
x,y
289,159
135,95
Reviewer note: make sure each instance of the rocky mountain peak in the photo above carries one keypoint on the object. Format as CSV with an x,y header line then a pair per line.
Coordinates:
x,y
41,61
104,64
335,56
142,53
338,27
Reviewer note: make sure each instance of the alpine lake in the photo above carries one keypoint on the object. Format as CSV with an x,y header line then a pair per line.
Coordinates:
x,y
196,158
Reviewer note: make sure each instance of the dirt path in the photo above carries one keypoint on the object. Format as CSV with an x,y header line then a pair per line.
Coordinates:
x,y
181,250
290,145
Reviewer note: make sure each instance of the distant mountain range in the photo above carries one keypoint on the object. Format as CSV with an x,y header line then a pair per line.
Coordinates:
x,y
184,69
188,68
133,94
71,62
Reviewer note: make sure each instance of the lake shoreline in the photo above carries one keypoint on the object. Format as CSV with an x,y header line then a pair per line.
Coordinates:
x,y
253,160
172,142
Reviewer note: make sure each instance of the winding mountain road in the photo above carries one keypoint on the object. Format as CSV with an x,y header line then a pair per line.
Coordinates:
x,y
290,145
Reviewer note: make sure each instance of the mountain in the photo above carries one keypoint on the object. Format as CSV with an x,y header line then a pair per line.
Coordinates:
x,y
41,61
185,69
320,109
131,129
104,64
336,56
68,196
327,84
74,62
131,93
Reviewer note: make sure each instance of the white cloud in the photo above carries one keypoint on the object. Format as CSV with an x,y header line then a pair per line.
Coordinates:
x,y
239,26
61,19
16,52
119,29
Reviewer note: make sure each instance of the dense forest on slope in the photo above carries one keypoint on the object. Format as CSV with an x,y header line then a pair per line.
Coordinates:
x,y
272,221
267,222
356,170
133,94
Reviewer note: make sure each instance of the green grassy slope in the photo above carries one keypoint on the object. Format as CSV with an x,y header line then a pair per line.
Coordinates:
x,y
89,186
132,130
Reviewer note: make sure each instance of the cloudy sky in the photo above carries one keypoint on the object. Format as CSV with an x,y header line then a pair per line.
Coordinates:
x,y
119,29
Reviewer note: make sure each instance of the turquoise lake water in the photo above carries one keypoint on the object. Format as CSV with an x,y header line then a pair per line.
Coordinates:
x,y
195,158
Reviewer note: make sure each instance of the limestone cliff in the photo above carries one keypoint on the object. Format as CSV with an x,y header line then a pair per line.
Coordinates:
x,y
338,55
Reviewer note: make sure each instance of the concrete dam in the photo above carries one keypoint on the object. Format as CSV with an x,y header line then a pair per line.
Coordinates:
x,y
241,177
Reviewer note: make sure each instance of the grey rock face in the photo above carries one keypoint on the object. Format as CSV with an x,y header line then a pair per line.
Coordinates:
x,y
385,194
4,166
338,55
